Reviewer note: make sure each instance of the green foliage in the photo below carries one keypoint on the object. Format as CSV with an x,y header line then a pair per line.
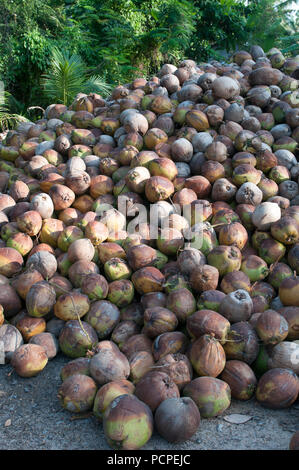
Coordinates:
x,y
290,44
131,37
270,21
114,41
220,25
27,30
8,120
68,76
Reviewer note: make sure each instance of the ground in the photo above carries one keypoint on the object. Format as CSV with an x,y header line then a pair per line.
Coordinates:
x,y
38,422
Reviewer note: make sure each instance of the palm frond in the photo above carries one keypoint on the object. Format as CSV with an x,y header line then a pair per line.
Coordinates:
x,y
65,78
96,84
69,76
8,120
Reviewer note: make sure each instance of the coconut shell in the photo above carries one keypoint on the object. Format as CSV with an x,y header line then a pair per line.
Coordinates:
x,y
208,322
294,442
207,356
48,342
107,393
10,339
178,367
265,76
240,378
77,393
177,419
278,388
77,366
272,327
291,314
169,343
158,320
155,387
77,338
29,360
127,410
109,364
243,343
212,396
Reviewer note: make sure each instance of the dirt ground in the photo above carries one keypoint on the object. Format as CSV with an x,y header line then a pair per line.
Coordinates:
x,y
31,417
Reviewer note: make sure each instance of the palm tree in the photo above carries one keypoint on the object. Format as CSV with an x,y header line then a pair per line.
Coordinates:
x,y
68,76
8,120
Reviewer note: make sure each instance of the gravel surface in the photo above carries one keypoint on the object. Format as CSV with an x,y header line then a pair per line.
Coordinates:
x,y
31,417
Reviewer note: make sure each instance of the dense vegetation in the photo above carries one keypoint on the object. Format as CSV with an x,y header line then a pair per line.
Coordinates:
x,y
51,49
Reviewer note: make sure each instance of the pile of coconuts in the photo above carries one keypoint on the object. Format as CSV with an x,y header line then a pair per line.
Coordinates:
x,y
161,331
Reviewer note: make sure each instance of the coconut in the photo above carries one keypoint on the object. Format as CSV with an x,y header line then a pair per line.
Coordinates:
x,y
284,355
225,87
29,360
48,342
288,291
109,363
148,279
9,298
77,366
44,262
249,193
225,259
62,196
210,299
237,306
140,256
223,190
265,76
211,395
278,388
76,338
123,331
272,327
103,316
190,259
204,278
207,356
177,419
158,188
71,306
136,179
235,280
208,322
182,303
29,326
294,442
169,343
242,344
107,393
240,378
118,418
77,393
11,262
291,314
255,268
136,343
40,299
155,387
10,340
